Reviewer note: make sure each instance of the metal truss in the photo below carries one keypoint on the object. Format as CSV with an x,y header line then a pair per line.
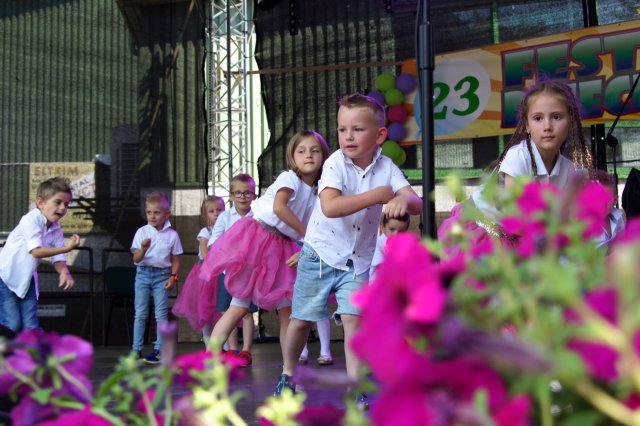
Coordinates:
x,y
227,97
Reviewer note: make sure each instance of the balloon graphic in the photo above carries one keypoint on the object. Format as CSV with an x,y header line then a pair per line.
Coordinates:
x,y
396,131
391,149
385,82
394,96
397,114
377,96
406,83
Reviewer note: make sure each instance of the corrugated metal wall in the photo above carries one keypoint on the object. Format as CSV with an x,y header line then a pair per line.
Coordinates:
x,y
66,79
73,74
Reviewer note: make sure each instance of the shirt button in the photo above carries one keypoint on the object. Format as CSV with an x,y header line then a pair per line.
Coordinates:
x,y
353,252
358,228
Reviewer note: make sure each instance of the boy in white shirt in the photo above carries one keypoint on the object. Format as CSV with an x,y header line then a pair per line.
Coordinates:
x,y
38,235
156,252
341,236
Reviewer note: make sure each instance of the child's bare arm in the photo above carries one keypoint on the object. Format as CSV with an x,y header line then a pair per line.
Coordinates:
x,y
405,201
42,252
175,269
138,254
204,248
284,213
65,281
334,204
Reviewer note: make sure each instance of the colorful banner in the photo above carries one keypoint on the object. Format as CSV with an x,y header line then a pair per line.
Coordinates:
x,y
477,91
82,177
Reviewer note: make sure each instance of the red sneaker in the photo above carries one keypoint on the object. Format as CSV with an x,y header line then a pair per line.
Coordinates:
x,y
245,358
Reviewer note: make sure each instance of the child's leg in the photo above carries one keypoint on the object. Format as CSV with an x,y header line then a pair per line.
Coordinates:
x,y
296,337
350,323
324,334
141,303
29,308
247,332
284,316
161,306
206,333
9,309
226,325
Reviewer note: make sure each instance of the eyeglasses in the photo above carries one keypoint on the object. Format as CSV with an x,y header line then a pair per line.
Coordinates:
x,y
245,194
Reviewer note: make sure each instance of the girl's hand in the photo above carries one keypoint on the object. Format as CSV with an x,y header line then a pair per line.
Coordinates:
x,y
145,244
292,262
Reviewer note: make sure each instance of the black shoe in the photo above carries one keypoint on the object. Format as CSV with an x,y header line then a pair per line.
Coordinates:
x,y
283,382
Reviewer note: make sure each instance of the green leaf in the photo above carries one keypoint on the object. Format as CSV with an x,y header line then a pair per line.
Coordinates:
x,y
43,396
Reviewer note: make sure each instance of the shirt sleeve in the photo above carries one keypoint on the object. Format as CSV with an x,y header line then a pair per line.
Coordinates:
x,y
57,240
177,246
286,180
218,228
331,177
136,244
516,163
397,181
33,232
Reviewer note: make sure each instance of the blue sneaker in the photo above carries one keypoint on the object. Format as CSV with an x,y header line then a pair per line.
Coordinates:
x,y
153,357
362,402
283,382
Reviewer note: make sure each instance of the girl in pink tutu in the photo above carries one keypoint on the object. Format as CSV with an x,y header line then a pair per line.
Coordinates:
x,y
192,302
259,254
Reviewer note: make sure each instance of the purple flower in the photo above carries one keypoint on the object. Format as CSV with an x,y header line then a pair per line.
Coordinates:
x,y
197,361
31,352
84,417
320,415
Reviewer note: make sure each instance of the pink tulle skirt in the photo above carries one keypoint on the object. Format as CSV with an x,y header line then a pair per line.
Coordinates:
x,y
196,301
254,262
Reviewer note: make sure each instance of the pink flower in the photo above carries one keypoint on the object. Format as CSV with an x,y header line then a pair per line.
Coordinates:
x,y
534,197
599,359
593,204
194,362
405,296
515,412
84,417
631,233
531,233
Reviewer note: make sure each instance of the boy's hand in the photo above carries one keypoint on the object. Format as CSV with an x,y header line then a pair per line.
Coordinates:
x,y
145,244
66,281
383,194
397,207
168,284
292,262
74,241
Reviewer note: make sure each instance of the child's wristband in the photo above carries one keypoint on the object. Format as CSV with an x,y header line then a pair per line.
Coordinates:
x,y
174,278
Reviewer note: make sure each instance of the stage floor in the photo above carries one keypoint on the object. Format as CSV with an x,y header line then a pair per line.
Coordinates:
x,y
258,380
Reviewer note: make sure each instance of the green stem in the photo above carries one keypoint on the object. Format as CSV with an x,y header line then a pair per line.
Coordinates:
x,y
107,416
545,405
605,403
71,379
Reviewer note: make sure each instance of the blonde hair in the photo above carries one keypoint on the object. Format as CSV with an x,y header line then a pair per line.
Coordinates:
x,y
242,177
295,141
575,144
52,186
358,100
208,199
160,198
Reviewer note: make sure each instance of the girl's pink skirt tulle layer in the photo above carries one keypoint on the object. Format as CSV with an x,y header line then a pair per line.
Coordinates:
x,y
254,262
197,300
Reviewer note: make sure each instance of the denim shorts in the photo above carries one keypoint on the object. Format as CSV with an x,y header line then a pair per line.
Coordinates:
x,y
314,283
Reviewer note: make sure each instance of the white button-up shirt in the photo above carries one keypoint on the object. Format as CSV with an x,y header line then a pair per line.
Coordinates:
x,y
517,162
224,222
164,244
17,266
337,240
